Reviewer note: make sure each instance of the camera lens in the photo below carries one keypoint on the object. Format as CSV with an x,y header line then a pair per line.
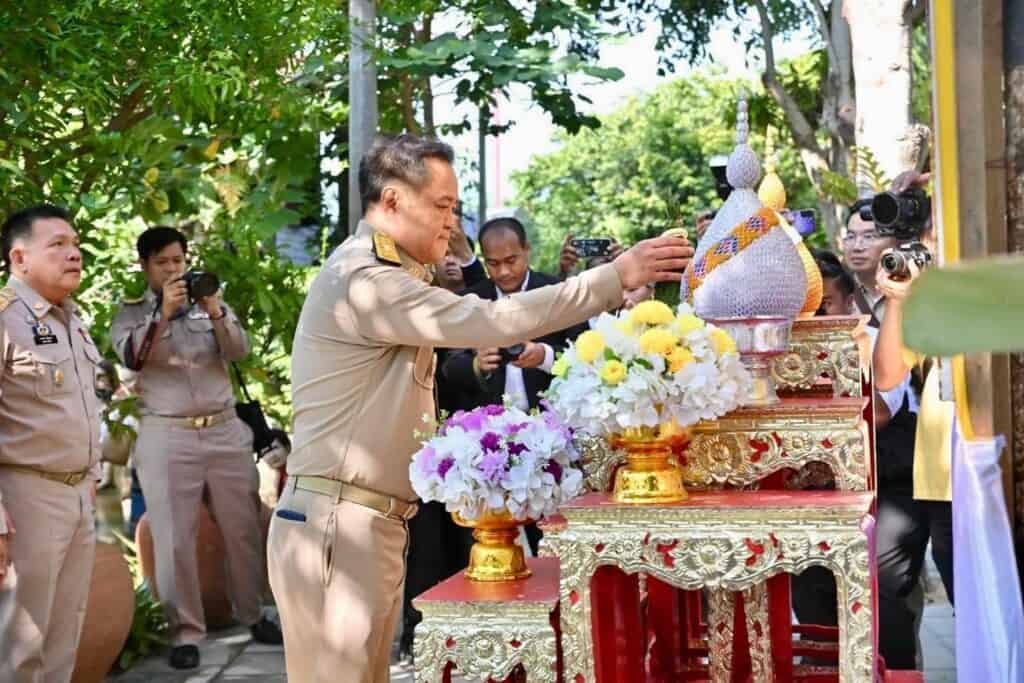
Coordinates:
x,y
203,284
885,208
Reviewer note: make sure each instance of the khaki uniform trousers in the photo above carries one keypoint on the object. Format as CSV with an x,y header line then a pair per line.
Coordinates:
x,y
175,463
43,598
337,580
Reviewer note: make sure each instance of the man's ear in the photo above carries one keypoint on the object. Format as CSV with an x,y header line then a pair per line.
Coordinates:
x,y
390,197
17,257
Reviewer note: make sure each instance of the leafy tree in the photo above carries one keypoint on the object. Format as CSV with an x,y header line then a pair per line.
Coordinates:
x,y
196,113
486,46
645,163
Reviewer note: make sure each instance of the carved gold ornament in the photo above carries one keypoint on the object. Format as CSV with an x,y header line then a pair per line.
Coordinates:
x,y
485,641
822,346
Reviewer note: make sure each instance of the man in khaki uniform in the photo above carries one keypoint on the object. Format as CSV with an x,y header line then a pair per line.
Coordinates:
x,y
190,439
363,378
49,450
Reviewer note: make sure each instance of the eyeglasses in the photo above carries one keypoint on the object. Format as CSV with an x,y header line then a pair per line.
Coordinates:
x,y
864,237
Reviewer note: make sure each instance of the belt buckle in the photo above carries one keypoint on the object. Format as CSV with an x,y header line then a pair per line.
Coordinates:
x,y
201,422
70,479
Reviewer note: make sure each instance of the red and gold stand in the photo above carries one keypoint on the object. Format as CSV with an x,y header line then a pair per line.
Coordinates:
x,y
498,631
732,540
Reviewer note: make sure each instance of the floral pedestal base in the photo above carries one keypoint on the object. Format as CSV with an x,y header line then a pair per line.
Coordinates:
x,y
490,631
495,556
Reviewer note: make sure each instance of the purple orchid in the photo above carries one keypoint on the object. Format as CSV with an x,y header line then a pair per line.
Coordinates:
x,y
446,464
555,470
426,461
490,442
493,466
494,410
515,448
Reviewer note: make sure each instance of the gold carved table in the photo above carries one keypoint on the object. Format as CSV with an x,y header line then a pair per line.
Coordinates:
x,y
747,445
487,630
731,540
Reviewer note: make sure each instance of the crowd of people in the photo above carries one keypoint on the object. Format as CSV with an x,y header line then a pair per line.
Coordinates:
x,y
347,518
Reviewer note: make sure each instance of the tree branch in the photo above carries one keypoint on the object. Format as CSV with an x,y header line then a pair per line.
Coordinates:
x,y
826,33
803,133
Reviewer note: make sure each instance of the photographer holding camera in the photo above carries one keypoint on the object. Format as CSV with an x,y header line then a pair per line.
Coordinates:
x,y
179,338
921,510
521,371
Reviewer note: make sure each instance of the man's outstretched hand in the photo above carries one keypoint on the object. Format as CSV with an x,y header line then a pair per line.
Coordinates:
x,y
662,259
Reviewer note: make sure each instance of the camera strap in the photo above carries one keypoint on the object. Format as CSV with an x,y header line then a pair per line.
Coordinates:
x,y
865,307
136,361
241,382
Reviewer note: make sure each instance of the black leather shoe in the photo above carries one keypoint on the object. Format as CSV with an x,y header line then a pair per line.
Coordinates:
x,y
266,632
185,657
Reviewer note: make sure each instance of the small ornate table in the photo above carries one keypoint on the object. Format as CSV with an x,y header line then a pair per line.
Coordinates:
x,y
733,540
487,630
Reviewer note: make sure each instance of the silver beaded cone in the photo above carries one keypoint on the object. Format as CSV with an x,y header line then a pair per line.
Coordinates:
x,y
767,277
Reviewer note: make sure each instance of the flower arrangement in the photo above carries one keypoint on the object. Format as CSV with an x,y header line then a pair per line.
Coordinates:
x,y
498,458
646,367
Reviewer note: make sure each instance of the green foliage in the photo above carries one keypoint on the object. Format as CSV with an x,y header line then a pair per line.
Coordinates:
x,y
196,113
149,629
842,189
982,300
490,44
644,168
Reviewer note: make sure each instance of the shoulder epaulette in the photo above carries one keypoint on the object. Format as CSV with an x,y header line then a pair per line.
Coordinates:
x,y
7,297
385,249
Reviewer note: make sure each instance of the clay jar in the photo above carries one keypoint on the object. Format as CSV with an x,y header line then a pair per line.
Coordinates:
x,y
108,615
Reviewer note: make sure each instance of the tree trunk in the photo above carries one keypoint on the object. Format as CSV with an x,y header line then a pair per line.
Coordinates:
x,y
1013,56
362,97
880,36
425,36
838,105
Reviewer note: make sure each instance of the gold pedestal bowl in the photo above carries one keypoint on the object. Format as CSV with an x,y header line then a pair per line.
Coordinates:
x,y
651,475
495,556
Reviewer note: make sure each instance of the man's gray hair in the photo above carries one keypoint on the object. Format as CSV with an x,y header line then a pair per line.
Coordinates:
x,y
398,157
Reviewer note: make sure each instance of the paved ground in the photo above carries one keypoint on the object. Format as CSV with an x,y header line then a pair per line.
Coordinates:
x,y
231,656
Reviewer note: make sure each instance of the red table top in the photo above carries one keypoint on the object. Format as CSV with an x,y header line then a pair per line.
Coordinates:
x,y
761,500
541,587
788,405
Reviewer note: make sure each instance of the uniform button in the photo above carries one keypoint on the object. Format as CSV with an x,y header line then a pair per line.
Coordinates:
x,y
58,377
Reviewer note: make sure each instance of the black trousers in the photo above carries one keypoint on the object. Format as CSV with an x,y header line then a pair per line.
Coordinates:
x,y
438,549
903,529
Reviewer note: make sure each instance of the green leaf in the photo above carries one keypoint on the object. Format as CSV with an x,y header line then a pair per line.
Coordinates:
x,y
974,307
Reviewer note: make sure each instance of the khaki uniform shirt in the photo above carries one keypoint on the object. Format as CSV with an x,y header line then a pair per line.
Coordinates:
x,y
186,371
49,413
363,356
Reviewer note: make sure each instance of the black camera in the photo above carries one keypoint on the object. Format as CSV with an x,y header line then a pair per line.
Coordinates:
x,y
902,215
897,262
200,284
511,353
592,246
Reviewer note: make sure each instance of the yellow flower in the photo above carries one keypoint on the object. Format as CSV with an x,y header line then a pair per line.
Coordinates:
x,y
613,372
651,313
688,323
679,359
624,325
560,367
589,346
722,341
657,341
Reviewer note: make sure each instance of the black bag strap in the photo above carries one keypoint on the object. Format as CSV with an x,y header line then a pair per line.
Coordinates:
x,y
241,382
865,307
